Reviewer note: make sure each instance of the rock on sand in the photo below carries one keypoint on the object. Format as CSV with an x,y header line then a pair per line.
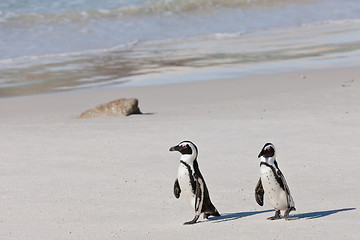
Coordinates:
x,y
117,107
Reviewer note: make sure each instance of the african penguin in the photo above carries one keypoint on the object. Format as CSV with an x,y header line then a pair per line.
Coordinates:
x,y
191,183
272,183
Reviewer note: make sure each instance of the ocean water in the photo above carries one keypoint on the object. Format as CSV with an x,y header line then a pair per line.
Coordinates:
x,y
65,45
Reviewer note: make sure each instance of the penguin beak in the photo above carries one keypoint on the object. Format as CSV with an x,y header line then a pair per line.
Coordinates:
x,y
174,148
263,151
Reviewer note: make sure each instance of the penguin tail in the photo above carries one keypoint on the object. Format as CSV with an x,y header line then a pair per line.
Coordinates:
x,y
214,213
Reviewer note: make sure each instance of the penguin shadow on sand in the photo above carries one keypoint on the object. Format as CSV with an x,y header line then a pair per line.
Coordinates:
x,y
319,214
235,216
309,216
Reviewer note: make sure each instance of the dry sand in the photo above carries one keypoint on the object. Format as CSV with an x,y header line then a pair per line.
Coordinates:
x,y
112,178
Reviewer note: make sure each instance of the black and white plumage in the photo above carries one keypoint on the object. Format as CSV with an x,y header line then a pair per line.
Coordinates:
x,y
191,184
272,183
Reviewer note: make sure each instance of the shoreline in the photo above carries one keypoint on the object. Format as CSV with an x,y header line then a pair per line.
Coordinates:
x,y
277,83
112,177
201,58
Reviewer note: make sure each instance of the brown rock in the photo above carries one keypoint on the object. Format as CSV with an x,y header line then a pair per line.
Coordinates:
x,y
117,107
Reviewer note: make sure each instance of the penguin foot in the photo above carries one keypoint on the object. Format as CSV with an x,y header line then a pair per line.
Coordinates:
x,y
276,217
189,223
192,221
287,212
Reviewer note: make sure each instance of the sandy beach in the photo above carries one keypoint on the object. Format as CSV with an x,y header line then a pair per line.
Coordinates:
x,y
112,177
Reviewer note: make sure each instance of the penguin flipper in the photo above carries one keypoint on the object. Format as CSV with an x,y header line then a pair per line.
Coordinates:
x,y
279,176
199,198
199,195
283,184
259,193
177,189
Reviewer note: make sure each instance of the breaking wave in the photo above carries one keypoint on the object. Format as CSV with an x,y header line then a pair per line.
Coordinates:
x,y
162,7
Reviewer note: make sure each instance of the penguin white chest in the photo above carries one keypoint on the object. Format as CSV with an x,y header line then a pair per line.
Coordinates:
x,y
273,191
184,180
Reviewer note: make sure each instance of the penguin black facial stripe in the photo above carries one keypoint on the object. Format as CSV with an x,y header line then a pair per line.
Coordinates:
x,y
185,149
267,151
191,176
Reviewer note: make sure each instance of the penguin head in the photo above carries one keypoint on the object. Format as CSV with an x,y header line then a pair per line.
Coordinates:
x,y
186,148
267,151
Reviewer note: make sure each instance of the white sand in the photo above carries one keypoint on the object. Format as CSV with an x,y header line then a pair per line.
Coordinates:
x,y
112,178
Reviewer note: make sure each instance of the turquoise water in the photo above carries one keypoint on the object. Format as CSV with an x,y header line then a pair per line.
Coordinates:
x,y
51,46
